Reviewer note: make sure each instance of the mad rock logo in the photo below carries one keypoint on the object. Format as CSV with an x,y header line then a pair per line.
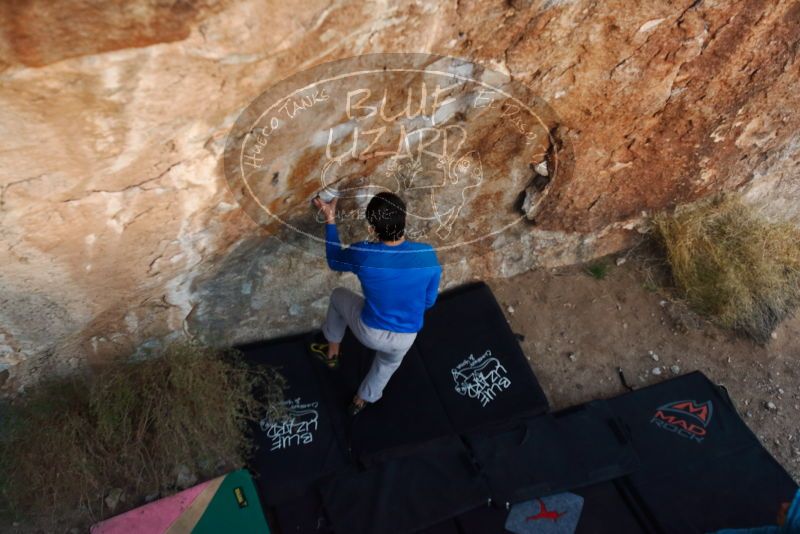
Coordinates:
x,y
296,428
481,378
687,418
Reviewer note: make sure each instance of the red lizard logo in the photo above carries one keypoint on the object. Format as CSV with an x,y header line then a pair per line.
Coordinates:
x,y
544,513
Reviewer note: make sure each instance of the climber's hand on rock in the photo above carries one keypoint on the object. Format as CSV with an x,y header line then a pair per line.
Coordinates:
x,y
328,209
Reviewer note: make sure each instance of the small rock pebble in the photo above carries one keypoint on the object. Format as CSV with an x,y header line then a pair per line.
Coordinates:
x,y
771,406
676,370
510,309
653,355
620,261
656,371
114,497
184,477
571,356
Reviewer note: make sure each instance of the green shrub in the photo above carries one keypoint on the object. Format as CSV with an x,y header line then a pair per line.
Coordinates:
x,y
598,270
733,265
67,442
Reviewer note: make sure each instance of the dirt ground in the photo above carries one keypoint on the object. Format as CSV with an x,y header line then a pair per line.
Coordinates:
x,y
579,329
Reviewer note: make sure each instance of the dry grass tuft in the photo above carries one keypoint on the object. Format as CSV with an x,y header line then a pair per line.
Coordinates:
x,y
67,443
733,265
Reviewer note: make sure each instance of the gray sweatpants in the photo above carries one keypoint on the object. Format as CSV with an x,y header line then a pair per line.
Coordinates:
x,y
344,310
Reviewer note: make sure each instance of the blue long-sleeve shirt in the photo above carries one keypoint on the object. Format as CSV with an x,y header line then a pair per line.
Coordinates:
x,y
399,282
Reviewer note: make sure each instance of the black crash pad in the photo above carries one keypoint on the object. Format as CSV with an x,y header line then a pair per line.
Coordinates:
x,y
475,362
446,527
740,489
303,515
292,455
611,508
406,494
703,469
686,419
408,414
552,453
597,442
482,520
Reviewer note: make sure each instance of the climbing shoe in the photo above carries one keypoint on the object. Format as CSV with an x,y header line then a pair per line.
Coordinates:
x,y
318,347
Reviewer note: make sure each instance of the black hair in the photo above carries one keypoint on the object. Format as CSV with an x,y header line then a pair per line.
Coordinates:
x,y
386,212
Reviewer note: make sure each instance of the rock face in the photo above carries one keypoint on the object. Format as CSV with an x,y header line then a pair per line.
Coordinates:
x,y
118,230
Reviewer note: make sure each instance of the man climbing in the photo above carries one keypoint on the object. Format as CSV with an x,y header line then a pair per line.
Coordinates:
x,y
399,279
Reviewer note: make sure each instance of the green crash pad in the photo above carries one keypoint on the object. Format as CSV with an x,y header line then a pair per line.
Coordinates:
x,y
234,508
